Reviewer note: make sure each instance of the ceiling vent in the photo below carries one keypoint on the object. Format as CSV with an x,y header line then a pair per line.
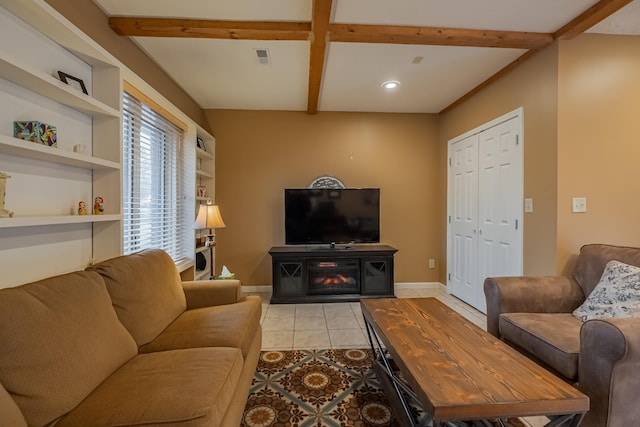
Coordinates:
x,y
262,55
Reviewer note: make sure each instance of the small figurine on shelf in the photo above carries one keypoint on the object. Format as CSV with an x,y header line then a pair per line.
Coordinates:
x,y
98,206
82,208
4,213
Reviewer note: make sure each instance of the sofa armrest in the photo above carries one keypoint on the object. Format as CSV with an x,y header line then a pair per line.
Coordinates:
x,y
207,293
608,370
544,294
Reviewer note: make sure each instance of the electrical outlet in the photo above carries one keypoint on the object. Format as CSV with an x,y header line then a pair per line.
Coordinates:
x,y
579,204
432,263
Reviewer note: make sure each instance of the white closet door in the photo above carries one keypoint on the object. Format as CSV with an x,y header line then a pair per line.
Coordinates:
x,y
485,207
463,218
499,204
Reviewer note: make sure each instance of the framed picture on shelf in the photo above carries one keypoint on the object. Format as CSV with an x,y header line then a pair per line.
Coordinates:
x,y
200,144
201,191
74,82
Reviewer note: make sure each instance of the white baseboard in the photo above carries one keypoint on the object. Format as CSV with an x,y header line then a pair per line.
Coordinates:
x,y
398,285
418,285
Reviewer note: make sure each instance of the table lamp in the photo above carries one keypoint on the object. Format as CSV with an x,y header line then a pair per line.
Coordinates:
x,y
209,217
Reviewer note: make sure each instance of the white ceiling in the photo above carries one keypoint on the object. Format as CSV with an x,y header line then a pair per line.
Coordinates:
x,y
625,21
221,73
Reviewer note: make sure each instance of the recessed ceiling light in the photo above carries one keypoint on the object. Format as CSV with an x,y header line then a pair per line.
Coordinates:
x,y
391,84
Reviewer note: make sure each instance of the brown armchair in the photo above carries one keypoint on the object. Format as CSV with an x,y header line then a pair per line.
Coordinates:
x,y
602,357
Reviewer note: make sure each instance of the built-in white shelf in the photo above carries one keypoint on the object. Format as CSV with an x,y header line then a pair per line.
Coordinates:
x,y
203,154
202,174
52,88
38,12
202,275
20,147
31,221
94,121
205,161
184,265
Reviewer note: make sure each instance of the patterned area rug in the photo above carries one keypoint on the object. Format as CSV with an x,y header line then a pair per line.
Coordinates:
x,y
334,388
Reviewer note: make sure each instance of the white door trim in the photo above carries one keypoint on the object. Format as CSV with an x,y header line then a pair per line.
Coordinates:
x,y
518,112
519,193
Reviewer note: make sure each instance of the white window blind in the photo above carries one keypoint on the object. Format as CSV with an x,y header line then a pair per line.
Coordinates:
x,y
155,215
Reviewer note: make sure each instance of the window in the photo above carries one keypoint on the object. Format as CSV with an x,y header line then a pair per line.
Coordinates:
x,y
154,160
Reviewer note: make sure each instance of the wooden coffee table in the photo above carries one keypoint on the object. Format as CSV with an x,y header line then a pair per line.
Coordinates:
x,y
457,371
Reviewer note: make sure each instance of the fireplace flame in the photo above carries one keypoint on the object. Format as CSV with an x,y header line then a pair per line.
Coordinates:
x,y
338,279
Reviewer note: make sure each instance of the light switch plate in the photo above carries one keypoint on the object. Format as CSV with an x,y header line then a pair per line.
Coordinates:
x,y
579,204
528,205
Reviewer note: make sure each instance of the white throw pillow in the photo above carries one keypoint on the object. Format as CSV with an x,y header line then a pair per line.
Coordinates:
x,y
616,295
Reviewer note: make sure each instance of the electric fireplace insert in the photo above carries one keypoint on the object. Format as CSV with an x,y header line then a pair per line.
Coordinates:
x,y
334,277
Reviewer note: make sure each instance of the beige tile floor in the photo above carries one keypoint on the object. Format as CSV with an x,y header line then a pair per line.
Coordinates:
x,y
336,325
340,325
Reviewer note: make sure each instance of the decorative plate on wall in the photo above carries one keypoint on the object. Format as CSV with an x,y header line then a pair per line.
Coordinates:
x,y
326,181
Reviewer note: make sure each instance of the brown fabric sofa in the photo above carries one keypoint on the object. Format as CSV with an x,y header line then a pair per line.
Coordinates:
x,y
602,357
127,343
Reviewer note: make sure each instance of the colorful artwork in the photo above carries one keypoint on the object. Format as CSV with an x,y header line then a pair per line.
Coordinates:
x,y
38,132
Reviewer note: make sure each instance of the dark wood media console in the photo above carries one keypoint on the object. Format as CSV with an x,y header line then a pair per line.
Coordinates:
x,y
323,274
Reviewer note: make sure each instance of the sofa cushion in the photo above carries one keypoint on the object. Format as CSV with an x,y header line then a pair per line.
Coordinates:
x,y
9,411
231,325
616,295
187,388
60,339
146,291
554,338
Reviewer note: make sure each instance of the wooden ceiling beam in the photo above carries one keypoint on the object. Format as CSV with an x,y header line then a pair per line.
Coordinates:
x,y
589,18
358,33
320,31
319,26
213,29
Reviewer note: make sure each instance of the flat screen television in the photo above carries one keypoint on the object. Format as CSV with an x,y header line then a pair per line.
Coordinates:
x,y
317,216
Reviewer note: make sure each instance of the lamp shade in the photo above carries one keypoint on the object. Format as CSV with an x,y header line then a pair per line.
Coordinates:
x,y
209,217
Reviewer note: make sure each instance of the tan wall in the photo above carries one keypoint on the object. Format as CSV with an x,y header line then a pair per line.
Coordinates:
x,y
533,85
599,142
87,16
581,100
259,153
